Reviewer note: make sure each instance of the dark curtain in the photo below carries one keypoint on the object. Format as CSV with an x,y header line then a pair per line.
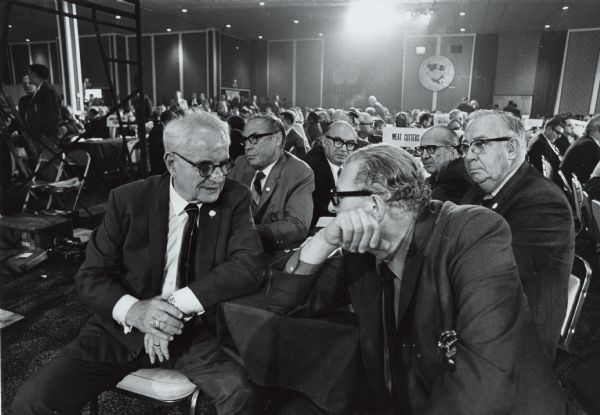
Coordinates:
x,y
484,69
550,56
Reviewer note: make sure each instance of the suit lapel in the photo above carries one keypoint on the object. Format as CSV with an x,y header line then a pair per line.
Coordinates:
x,y
208,231
159,229
507,191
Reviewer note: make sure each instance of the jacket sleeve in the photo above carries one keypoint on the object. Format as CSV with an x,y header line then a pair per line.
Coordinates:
x,y
51,113
290,226
243,270
490,318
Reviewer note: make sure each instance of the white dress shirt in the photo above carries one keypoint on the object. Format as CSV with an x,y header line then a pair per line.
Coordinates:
x,y
266,171
335,170
183,298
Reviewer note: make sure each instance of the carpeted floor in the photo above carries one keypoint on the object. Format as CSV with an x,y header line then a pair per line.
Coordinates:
x,y
54,316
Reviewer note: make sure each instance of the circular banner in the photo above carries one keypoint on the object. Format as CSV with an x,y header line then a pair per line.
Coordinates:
x,y
436,73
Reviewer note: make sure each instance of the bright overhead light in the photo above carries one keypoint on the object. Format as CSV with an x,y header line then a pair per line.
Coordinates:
x,y
27,40
10,26
320,34
547,26
118,17
237,47
228,26
565,7
296,21
168,29
260,36
184,10
462,14
262,3
462,29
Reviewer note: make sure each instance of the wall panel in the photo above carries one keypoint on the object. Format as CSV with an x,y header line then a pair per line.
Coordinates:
x,y
121,67
21,60
579,71
194,63
281,55
166,57
547,77
56,69
459,49
416,95
39,54
92,66
236,59
308,73
484,69
516,63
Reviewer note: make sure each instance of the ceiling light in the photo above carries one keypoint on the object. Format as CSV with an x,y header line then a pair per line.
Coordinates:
x,y
260,36
118,17
547,26
462,14
27,40
183,10
462,29
228,26
565,7
237,47
262,3
320,34
296,21
10,26
168,29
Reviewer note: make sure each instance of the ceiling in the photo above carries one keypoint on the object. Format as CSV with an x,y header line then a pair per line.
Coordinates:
x,y
274,19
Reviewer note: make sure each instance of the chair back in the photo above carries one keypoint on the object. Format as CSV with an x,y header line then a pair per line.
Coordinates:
x,y
566,186
577,196
579,282
595,219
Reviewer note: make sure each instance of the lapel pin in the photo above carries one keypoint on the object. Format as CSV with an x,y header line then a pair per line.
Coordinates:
x,y
212,213
494,206
268,189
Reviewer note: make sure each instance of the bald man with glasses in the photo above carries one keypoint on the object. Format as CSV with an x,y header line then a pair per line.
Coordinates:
x,y
440,154
539,216
281,184
326,160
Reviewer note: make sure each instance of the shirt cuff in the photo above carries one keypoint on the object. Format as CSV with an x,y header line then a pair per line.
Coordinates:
x,y
185,300
121,309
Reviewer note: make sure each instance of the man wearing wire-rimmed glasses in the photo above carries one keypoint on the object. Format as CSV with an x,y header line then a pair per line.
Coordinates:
x,y
537,211
170,249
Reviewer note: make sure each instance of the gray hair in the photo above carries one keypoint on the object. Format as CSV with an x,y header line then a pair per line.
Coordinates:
x,y
392,171
513,125
593,125
184,131
271,122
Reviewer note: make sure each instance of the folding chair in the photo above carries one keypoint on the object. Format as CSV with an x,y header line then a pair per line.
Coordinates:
x,y
47,170
595,219
579,282
567,189
577,197
165,387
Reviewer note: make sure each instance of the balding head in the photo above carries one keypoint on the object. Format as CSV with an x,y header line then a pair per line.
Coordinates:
x,y
439,146
593,127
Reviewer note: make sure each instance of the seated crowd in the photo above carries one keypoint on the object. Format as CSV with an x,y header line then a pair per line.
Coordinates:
x,y
454,257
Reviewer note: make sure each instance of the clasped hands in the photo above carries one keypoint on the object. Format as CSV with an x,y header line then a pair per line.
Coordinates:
x,y
160,321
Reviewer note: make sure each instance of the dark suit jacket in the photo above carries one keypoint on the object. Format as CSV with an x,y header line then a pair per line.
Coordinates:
x,y
451,183
285,208
581,158
324,182
42,115
454,282
543,241
562,143
126,254
539,147
592,187
294,143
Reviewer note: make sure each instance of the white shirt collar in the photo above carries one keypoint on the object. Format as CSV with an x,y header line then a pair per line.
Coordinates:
x,y
177,202
334,169
506,179
267,170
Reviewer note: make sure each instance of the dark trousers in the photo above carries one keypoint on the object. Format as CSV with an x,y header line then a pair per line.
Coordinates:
x,y
69,381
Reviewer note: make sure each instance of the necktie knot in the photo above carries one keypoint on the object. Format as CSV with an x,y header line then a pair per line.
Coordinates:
x,y
257,182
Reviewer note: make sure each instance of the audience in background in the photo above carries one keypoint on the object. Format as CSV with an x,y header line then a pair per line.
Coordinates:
x,y
236,128
365,126
583,155
543,153
280,183
441,156
538,213
294,143
464,105
456,120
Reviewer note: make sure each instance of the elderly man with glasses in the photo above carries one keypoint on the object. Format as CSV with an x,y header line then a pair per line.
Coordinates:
x,y
443,325
326,160
170,249
440,153
536,210
280,183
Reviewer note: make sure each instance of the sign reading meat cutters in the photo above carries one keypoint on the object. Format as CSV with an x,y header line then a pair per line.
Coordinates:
x,y
402,137
436,73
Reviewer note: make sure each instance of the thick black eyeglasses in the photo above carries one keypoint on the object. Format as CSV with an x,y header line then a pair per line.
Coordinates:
x,y
337,196
481,146
338,143
206,168
558,133
429,149
253,138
